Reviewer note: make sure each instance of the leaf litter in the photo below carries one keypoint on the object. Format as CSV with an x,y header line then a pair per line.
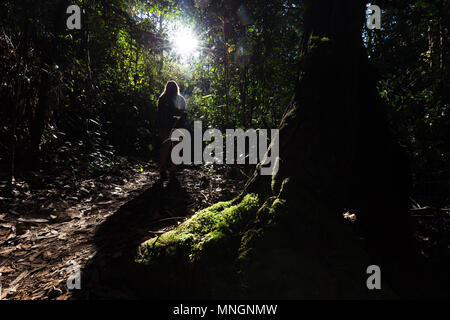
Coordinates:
x,y
52,221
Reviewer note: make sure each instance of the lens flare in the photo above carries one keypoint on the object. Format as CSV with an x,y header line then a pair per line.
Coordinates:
x,y
185,42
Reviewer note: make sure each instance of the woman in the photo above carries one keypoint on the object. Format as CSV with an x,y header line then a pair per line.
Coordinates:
x,y
171,107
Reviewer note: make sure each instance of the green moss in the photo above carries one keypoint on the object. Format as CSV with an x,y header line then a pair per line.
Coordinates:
x,y
247,249
204,229
269,213
248,242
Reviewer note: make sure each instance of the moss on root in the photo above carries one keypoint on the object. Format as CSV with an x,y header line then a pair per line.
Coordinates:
x,y
201,230
247,248
195,259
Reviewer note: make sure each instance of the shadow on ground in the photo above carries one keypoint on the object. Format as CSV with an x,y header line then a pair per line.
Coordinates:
x,y
110,274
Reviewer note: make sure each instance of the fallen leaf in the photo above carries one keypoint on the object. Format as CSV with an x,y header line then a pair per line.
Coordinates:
x,y
6,269
7,250
32,220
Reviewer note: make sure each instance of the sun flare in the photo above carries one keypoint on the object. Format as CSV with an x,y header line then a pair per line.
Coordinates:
x,y
185,42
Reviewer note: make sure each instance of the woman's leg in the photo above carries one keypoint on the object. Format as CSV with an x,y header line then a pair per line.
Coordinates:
x,y
172,167
164,151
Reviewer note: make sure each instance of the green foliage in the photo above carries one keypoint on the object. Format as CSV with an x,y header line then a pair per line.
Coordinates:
x,y
247,77
113,70
411,52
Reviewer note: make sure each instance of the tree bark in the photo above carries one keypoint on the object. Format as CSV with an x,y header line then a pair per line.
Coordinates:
x,y
336,151
334,141
336,154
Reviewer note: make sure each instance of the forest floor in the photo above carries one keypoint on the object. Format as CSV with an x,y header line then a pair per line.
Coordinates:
x,y
60,218
57,220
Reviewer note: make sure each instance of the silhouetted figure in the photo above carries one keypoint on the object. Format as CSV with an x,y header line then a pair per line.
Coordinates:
x,y
171,114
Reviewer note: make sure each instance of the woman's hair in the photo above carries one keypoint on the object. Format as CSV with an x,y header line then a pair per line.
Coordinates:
x,y
171,90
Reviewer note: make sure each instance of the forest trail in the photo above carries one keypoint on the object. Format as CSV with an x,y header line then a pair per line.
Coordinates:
x,y
98,218
97,221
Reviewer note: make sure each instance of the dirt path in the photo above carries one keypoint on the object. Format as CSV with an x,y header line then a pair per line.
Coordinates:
x,y
52,233
64,218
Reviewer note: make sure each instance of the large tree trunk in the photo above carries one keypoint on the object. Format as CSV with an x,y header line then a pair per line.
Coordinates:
x,y
335,144
335,154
